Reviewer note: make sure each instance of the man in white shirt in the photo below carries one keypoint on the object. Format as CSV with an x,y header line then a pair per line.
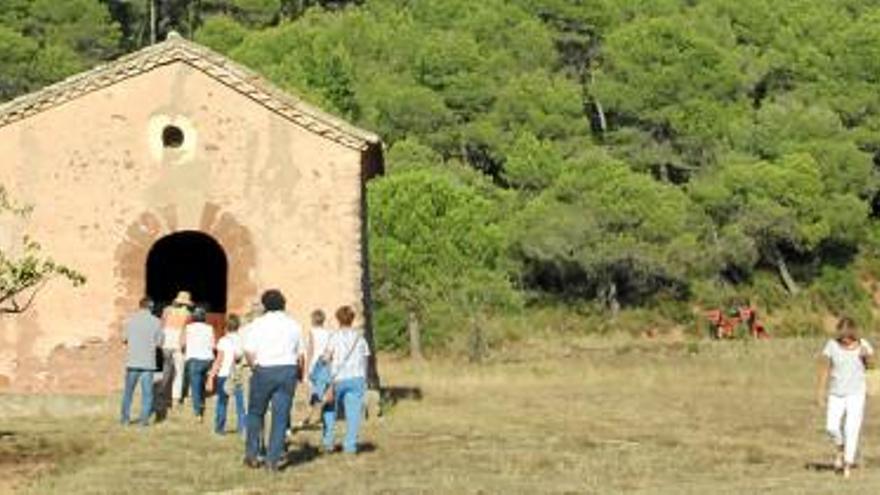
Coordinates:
x,y
273,346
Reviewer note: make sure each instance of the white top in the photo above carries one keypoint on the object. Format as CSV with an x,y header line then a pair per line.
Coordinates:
x,y
199,341
348,362
320,340
231,347
847,368
172,339
274,339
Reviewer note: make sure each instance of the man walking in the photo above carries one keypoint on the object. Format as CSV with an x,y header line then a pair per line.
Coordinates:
x,y
143,336
272,346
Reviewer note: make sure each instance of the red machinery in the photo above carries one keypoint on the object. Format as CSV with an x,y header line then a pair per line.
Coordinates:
x,y
739,321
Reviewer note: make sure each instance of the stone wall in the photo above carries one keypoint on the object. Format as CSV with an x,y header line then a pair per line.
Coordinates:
x,y
282,201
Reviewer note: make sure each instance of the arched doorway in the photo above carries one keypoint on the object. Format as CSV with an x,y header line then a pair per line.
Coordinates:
x,y
188,260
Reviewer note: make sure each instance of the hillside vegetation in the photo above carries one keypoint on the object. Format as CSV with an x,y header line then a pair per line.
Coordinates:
x,y
632,161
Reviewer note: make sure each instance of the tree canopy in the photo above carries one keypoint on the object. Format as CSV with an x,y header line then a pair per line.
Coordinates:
x,y
618,152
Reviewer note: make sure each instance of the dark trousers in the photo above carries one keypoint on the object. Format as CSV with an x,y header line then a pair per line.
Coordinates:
x,y
271,386
198,373
163,389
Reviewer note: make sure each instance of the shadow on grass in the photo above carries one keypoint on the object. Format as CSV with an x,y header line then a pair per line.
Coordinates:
x,y
301,455
819,466
824,466
306,453
390,396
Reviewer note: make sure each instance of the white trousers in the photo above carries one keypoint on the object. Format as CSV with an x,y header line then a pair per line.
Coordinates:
x,y
848,411
177,384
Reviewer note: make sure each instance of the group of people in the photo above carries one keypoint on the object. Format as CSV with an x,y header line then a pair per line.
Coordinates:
x,y
268,354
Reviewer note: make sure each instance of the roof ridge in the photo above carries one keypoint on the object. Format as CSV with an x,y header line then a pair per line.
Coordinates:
x,y
220,68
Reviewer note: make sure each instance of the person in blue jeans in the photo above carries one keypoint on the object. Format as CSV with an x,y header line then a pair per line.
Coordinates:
x,y
348,358
318,365
273,346
143,336
198,344
229,353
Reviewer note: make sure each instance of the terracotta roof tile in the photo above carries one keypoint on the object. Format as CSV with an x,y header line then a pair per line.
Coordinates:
x,y
176,49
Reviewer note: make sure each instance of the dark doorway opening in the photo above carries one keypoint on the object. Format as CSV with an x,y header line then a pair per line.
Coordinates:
x,y
188,260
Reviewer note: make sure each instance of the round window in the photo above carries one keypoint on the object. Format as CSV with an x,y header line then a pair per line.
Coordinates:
x,y
172,137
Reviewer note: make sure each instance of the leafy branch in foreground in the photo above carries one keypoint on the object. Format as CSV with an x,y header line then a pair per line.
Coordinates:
x,y
24,273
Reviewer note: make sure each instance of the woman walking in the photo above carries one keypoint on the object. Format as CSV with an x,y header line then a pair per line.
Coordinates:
x,y
317,363
197,341
228,381
348,357
842,390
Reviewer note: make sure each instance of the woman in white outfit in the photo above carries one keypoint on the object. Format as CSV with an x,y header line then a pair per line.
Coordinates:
x,y
842,390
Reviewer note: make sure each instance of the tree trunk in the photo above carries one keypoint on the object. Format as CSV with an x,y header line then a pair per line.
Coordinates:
x,y
413,328
601,120
663,172
609,299
152,8
787,280
477,341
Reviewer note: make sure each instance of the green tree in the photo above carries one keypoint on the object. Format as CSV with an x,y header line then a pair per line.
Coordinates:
x,y
434,238
42,41
769,209
677,80
24,269
603,231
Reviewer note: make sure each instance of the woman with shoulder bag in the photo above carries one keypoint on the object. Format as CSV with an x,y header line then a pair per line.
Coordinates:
x,y
348,352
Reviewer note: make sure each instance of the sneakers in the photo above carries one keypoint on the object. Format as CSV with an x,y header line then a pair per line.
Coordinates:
x,y
847,470
838,461
252,463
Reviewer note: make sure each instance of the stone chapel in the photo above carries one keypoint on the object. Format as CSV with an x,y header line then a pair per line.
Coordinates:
x,y
170,169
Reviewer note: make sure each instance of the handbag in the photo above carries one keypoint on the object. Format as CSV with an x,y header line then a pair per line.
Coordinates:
x,y
330,395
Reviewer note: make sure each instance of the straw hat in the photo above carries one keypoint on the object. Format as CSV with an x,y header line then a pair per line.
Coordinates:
x,y
184,298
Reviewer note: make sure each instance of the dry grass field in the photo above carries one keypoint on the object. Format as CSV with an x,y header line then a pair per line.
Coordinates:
x,y
594,416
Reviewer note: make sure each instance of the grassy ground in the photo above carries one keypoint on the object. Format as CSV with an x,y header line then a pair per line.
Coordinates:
x,y
596,416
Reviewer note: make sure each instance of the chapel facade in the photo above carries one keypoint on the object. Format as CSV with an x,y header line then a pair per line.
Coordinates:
x,y
170,169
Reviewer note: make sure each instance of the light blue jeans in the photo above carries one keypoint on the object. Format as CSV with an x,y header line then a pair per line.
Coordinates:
x,y
320,380
349,394
132,377
223,401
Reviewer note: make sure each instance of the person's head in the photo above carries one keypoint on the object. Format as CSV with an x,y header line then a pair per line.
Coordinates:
x,y
847,330
146,303
345,316
232,323
199,314
318,318
183,299
273,300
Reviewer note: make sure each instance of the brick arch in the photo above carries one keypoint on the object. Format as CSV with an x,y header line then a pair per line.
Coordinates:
x,y
152,225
